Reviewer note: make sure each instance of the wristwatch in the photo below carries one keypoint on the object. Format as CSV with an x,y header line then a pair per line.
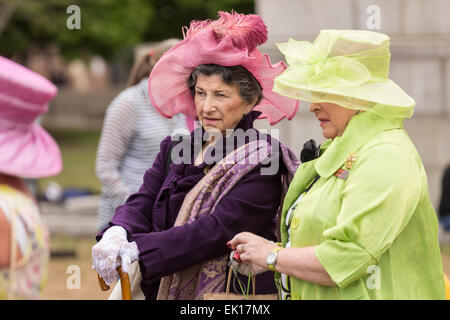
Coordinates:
x,y
271,259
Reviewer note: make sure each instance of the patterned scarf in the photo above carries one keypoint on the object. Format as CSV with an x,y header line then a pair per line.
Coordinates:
x,y
209,276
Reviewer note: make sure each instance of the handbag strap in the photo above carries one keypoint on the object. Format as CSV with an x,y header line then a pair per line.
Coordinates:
x,y
230,273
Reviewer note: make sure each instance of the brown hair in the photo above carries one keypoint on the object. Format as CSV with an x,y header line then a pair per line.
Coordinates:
x,y
145,62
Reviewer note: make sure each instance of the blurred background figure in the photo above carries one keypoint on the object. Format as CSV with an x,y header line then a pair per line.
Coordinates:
x,y
131,134
26,151
444,206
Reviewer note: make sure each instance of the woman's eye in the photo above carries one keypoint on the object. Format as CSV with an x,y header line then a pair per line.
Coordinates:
x,y
200,93
221,95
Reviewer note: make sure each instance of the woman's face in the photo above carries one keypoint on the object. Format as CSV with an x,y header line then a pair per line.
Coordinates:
x,y
333,118
219,105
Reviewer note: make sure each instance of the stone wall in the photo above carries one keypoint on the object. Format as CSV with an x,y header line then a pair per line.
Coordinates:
x,y
420,64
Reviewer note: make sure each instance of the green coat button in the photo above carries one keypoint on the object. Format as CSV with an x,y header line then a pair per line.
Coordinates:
x,y
295,223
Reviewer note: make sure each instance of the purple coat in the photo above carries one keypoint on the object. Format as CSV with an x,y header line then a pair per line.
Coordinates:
x,y
149,216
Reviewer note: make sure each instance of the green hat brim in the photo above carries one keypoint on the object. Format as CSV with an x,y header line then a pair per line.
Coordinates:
x,y
384,98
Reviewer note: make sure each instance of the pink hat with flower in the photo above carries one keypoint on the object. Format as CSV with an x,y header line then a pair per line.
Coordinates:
x,y
26,149
230,40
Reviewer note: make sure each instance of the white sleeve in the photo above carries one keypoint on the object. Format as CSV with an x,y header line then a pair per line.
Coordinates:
x,y
118,130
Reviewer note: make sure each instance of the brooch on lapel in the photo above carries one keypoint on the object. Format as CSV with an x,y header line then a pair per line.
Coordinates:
x,y
343,173
349,162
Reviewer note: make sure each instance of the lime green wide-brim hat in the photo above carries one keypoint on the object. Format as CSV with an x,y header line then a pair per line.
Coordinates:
x,y
346,67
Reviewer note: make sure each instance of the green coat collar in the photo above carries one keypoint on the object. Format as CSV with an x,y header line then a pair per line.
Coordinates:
x,y
360,129
333,153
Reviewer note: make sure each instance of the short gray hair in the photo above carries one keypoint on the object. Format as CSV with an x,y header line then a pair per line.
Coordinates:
x,y
249,88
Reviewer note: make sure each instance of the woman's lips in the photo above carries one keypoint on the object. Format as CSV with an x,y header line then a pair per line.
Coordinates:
x,y
210,120
323,121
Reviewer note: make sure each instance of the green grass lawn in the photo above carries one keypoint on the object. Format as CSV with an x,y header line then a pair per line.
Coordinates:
x,y
78,149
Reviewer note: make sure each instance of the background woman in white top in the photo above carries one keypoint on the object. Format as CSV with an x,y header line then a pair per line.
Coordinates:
x,y
131,134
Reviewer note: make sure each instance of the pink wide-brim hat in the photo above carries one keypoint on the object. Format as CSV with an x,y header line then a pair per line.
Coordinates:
x,y
26,149
229,41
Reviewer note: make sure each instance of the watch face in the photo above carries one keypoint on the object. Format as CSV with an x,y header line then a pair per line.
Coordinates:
x,y
271,258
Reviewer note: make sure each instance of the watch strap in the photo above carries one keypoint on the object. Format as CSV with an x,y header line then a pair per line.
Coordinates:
x,y
272,265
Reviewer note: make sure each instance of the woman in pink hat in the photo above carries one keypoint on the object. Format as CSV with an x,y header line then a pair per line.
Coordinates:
x,y
200,190
26,151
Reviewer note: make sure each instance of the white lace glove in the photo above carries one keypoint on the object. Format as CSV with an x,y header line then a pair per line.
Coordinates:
x,y
111,251
245,268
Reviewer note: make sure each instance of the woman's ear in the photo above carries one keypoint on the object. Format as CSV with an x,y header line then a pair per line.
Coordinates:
x,y
248,109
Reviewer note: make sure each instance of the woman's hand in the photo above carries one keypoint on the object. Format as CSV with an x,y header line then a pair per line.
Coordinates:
x,y
300,263
252,249
111,251
244,268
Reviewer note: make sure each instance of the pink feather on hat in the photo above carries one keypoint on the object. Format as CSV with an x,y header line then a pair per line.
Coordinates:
x,y
246,31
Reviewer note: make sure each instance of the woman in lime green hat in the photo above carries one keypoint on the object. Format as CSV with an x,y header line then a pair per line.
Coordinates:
x,y
357,222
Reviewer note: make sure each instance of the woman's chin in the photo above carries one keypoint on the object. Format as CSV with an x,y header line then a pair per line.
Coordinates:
x,y
328,135
211,128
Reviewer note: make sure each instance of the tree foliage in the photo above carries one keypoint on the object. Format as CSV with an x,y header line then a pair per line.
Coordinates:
x,y
172,15
107,26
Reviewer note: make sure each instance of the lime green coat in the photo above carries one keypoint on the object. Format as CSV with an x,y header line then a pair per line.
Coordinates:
x,y
375,231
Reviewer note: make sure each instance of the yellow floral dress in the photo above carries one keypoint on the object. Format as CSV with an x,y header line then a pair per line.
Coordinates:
x,y
24,278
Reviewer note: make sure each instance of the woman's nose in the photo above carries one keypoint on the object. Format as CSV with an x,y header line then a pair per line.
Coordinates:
x,y
208,104
314,107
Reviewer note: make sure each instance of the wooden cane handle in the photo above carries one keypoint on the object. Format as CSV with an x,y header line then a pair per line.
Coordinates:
x,y
102,283
124,284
